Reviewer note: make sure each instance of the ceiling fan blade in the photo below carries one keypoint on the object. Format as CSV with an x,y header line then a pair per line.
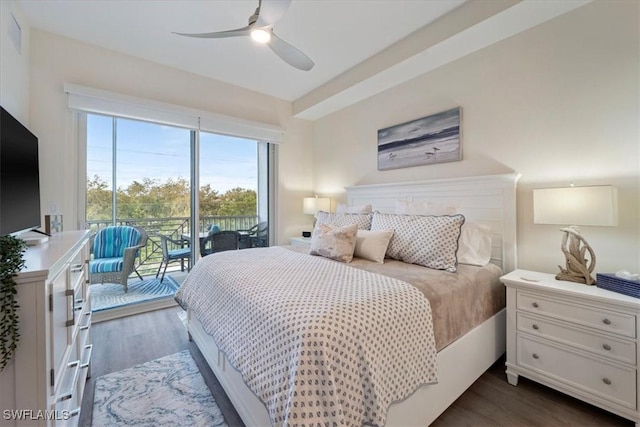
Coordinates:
x,y
244,31
290,54
271,11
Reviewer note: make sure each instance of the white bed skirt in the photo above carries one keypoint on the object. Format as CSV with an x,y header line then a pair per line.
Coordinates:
x,y
459,365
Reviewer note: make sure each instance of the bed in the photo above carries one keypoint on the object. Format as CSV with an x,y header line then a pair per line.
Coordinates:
x,y
486,200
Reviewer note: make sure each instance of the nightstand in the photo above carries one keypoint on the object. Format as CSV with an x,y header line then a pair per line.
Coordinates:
x,y
300,241
578,339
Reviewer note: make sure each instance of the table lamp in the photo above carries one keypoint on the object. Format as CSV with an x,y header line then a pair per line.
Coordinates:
x,y
573,206
311,206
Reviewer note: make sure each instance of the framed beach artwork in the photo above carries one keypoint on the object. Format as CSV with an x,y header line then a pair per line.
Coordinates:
x,y
431,139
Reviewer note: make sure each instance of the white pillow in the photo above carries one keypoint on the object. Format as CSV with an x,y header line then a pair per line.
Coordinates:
x,y
337,243
406,207
431,241
372,245
474,246
341,219
359,209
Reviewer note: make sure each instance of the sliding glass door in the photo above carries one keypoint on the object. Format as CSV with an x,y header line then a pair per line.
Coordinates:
x,y
141,173
230,199
138,173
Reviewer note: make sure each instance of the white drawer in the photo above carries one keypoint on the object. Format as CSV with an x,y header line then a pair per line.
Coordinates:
x,y
66,413
77,270
74,417
619,323
84,330
606,381
62,411
85,371
66,390
614,348
59,314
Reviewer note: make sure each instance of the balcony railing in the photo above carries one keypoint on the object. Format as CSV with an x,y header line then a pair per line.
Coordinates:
x,y
151,256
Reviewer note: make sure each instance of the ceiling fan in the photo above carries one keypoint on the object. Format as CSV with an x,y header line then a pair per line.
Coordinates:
x,y
260,28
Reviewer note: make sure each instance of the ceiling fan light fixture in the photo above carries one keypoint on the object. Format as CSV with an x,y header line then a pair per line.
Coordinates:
x,y
260,28
261,36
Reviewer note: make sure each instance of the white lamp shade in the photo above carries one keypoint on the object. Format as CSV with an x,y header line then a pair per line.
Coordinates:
x,y
311,205
596,205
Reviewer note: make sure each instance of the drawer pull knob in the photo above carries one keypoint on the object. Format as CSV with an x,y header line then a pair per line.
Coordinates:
x,y
606,321
535,356
534,326
606,347
535,304
607,381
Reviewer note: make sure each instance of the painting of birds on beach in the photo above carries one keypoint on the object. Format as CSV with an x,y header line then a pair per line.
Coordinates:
x,y
431,139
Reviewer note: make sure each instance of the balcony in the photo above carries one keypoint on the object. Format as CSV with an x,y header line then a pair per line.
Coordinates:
x,y
151,256
110,301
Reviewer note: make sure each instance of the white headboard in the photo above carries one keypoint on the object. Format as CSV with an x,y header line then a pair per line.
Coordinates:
x,y
487,199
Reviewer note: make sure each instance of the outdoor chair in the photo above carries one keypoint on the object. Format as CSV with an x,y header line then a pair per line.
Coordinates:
x,y
180,253
256,236
212,229
219,242
114,251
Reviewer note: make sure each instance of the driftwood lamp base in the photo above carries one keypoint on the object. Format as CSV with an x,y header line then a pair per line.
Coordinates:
x,y
580,258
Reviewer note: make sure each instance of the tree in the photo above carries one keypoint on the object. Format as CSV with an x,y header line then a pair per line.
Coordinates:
x,y
210,200
238,201
98,199
149,198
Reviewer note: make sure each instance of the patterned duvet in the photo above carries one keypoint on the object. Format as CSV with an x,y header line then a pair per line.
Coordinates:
x,y
319,342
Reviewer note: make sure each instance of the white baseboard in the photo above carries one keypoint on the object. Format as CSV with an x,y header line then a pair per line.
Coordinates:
x,y
129,310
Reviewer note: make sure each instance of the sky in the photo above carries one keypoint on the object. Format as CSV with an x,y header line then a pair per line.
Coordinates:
x,y
149,150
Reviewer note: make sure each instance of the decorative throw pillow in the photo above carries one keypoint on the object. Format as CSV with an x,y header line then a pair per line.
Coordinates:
x,y
475,244
359,209
333,242
372,245
431,241
407,207
363,221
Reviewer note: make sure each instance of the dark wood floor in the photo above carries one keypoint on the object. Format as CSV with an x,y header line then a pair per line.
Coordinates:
x,y
129,341
489,402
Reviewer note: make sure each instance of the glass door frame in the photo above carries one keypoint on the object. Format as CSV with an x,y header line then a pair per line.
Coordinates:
x,y
195,196
266,177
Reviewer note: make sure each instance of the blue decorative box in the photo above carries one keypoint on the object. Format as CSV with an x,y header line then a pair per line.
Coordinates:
x,y
616,284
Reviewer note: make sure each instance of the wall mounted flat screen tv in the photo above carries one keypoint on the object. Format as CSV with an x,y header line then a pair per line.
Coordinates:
x,y
19,177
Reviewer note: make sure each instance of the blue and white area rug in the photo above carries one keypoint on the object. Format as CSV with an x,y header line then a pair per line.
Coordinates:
x,y
110,295
164,392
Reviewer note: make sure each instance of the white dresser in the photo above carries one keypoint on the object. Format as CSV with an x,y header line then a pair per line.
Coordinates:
x,y
578,339
44,382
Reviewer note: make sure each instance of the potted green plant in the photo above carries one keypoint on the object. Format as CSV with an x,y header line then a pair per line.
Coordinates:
x,y
11,262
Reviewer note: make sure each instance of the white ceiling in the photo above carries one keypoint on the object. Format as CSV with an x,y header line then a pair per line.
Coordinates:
x,y
336,34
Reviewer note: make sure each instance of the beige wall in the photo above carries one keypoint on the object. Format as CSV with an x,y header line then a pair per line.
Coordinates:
x,y
57,60
558,103
14,65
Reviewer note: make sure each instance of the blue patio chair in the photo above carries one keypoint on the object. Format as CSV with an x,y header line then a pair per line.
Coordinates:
x,y
114,253
181,253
